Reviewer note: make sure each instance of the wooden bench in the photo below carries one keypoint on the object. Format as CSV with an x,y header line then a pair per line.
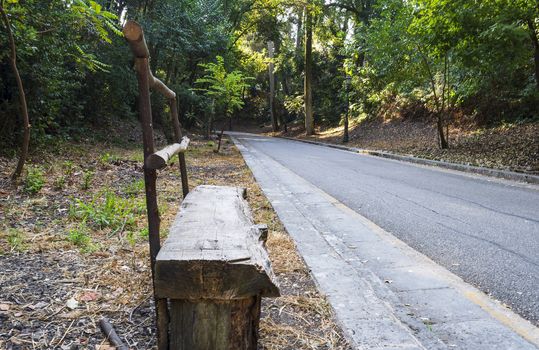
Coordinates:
x,y
214,269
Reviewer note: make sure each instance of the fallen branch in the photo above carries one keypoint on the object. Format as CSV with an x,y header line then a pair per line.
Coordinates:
x,y
111,335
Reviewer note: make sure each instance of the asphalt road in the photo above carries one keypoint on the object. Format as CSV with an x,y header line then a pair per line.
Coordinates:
x,y
484,230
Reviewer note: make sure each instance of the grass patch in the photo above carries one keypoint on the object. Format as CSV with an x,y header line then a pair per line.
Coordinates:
x,y
80,237
108,210
16,240
137,156
134,188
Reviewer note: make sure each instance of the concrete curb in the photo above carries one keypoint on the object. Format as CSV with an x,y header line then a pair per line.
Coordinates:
x,y
502,174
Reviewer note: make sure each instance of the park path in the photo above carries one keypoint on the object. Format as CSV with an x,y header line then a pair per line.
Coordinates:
x,y
385,294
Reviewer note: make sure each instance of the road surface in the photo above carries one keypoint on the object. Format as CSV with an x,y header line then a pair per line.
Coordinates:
x,y
484,230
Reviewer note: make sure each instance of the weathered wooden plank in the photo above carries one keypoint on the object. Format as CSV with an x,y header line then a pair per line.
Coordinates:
x,y
159,159
214,250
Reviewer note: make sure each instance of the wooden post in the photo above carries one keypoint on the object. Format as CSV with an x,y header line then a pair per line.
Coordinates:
x,y
271,49
178,135
135,37
150,178
215,324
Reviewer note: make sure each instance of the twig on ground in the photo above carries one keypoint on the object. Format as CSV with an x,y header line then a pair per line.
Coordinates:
x,y
65,333
135,308
110,333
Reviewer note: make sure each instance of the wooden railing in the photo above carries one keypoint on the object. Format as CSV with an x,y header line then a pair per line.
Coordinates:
x,y
155,160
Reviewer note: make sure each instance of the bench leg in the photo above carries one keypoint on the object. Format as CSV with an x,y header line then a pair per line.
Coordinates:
x,y
214,324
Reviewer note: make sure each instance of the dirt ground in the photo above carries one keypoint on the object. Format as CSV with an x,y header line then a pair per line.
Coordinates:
x,y
75,250
512,147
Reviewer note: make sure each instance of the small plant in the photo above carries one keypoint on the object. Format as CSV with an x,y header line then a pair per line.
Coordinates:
x,y
144,233
131,238
80,237
108,158
69,168
210,144
59,183
34,180
87,177
15,239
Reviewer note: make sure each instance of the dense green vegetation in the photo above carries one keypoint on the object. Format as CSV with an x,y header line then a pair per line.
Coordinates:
x,y
448,59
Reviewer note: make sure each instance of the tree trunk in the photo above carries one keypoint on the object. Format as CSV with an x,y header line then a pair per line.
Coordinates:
x,y
308,96
440,125
22,96
220,139
274,124
346,136
299,33
535,42
439,106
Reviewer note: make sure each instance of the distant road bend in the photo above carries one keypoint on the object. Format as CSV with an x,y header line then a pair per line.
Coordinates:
x,y
484,230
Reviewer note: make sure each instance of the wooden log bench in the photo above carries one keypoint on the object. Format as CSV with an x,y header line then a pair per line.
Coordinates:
x,y
213,269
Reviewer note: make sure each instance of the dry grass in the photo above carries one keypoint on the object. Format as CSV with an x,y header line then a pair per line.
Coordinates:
x,y
46,261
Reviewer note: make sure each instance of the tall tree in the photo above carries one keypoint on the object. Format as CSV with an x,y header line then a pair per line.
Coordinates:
x,y
271,75
308,76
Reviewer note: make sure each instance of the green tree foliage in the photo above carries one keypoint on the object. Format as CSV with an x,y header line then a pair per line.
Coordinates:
x,y
225,88
439,58
57,46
